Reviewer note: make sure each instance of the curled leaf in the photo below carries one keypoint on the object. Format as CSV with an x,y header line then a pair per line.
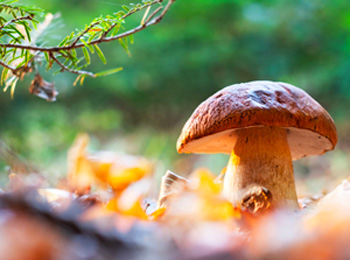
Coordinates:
x,y
43,88
170,185
80,171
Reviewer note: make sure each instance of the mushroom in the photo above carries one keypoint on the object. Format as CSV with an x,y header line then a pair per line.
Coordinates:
x,y
264,125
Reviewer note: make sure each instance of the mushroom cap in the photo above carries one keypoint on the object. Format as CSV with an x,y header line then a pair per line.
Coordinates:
x,y
213,125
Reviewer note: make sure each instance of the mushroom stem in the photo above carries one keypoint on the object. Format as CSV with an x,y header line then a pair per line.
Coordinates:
x,y
261,156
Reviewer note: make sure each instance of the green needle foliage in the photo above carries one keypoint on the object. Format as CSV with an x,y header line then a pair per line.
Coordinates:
x,y
21,51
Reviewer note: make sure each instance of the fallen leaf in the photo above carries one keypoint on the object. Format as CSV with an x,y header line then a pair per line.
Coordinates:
x,y
80,172
119,171
203,181
134,210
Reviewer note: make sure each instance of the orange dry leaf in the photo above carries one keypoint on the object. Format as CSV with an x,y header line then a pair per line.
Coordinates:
x,y
134,210
95,30
157,214
119,179
128,202
119,171
203,181
221,210
201,200
190,205
80,171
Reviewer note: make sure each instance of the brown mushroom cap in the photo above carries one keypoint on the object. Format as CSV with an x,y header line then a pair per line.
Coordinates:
x,y
211,128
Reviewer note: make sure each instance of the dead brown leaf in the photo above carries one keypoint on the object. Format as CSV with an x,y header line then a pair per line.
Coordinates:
x,y
43,88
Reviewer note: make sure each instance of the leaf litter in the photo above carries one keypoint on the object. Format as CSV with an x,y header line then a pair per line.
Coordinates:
x,y
104,210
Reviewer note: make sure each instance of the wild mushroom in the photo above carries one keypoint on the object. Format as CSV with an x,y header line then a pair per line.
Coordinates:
x,y
264,125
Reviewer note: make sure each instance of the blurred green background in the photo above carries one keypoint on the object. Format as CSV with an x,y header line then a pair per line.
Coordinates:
x,y
199,47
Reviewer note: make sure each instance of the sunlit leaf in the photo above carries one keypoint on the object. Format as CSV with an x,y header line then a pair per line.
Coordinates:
x,y
27,29
46,55
134,210
131,38
17,31
115,30
119,171
109,72
4,75
125,46
82,80
76,80
90,47
158,213
13,86
63,42
119,13
100,54
126,8
203,181
86,55
80,172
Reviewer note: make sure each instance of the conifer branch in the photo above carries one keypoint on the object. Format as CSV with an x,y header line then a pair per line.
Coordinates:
x,y
19,54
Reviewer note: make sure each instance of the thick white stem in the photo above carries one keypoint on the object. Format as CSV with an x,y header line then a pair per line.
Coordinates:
x,y
261,156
